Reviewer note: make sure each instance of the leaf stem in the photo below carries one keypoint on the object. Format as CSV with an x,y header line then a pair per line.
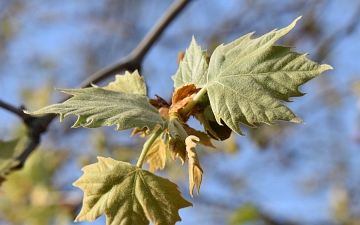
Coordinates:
x,y
195,100
147,146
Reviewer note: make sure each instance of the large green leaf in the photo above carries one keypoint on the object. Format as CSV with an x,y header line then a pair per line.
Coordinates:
x,y
193,67
248,77
96,107
128,195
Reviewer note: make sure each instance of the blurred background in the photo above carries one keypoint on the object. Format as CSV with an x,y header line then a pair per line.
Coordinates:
x,y
284,174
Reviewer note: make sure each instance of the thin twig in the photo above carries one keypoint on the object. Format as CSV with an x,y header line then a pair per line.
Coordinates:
x,y
133,61
38,125
12,109
327,45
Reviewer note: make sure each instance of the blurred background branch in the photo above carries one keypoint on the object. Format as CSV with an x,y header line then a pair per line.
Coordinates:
x,y
131,62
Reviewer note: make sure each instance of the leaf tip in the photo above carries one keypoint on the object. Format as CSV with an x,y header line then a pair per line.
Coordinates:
x,y
62,116
81,217
326,67
297,120
193,39
287,29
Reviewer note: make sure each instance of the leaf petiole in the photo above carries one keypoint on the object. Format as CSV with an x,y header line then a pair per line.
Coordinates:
x,y
147,146
195,100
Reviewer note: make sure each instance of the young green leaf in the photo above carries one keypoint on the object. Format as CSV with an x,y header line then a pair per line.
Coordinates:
x,y
247,78
156,157
96,107
195,171
192,68
128,195
129,83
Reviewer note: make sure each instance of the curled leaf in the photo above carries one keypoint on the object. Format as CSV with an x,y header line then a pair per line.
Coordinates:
x,y
204,139
182,96
143,132
195,171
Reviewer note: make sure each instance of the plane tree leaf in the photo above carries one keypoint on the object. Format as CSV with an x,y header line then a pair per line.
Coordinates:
x,y
129,83
96,107
128,195
247,79
193,67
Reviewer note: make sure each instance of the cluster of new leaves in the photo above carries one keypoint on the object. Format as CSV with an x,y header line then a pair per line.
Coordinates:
x,y
243,82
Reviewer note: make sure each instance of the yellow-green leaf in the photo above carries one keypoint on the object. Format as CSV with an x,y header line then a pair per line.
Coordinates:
x,y
130,83
248,77
192,68
156,157
128,195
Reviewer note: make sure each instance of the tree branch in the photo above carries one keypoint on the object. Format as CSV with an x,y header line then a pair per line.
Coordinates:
x,y
12,109
131,62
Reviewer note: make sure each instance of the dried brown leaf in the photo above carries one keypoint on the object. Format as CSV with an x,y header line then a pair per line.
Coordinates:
x,y
142,131
162,105
204,139
195,171
182,96
177,148
164,112
180,57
